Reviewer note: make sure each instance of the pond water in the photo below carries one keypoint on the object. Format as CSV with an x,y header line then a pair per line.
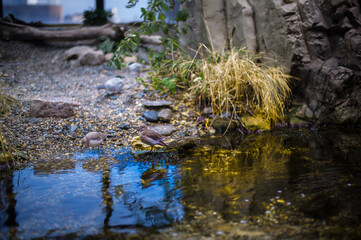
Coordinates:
x,y
299,184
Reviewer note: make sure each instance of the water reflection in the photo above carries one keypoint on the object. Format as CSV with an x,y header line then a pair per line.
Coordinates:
x,y
283,184
78,201
309,179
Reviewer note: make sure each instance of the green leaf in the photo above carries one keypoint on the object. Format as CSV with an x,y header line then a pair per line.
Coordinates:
x,y
144,12
184,30
151,16
161,16
164,27
182,15
164,7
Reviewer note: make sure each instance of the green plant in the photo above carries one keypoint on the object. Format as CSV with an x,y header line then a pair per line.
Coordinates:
x,y
107,45
96,17
234,81
155,21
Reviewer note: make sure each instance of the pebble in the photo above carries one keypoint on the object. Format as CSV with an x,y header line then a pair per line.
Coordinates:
x,y
157,103
33,120
73,128
151,116
139,95
207,110
211,131
165,115
165,130
124,126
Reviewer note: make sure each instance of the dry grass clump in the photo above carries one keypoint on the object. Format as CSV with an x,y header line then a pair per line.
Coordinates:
x,y
237,83
7,150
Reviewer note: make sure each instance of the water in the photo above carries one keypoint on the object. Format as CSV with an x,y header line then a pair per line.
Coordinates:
x,y
282,184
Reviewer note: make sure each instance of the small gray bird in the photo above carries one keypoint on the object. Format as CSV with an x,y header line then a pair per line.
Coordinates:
x,y
113,85
93,139
151,137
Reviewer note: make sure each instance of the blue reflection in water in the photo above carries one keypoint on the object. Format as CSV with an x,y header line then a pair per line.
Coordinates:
x,y
57,204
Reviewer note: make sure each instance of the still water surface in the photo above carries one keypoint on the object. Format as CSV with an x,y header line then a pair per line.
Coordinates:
x,y
296,183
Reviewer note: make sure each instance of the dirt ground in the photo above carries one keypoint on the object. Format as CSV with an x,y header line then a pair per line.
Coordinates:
x,y
37,71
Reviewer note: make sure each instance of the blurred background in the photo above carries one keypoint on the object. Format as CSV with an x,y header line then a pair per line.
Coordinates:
x,y
69,11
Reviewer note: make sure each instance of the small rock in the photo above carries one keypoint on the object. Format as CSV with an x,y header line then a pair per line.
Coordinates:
x,y
130,59
255,123
157,104
124,126
75,52
211,131
136,67
164,130
207,110
165,115
151,116
223,124
33,120
92,58
108,56
113,97
113,85
73,128
183,143
85,55
139,95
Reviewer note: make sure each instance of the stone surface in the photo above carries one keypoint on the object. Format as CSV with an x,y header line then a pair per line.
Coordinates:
x,y
85,55
92,58
136,143
125,126
113,85
255,123
319,42
39,108
164,130
157,104
151,116
223,124
207,110
165,115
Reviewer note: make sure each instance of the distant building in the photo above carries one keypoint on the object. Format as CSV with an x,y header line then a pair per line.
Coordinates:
x,y
46,11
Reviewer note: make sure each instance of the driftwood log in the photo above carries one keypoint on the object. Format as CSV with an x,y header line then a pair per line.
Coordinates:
x,y
15,31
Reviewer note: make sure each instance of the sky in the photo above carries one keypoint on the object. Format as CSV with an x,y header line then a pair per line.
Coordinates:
x,y
125,15
71,7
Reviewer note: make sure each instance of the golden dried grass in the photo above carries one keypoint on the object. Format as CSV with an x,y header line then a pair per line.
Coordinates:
x,y
7,150
238,83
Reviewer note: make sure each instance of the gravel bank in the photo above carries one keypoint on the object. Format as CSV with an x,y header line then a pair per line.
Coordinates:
x,y
37,71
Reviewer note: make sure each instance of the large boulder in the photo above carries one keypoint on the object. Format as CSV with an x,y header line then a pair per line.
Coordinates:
x,y
319,42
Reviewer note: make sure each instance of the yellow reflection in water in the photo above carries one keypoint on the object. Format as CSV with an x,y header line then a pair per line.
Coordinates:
x,y
227,179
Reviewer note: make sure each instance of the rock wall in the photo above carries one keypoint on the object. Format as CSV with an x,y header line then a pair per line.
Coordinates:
x,y
318,41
